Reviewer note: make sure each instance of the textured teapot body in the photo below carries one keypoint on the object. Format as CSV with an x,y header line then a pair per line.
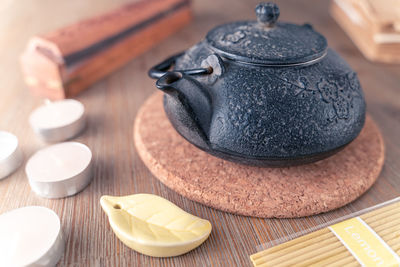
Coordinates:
x,y
263,92
260,113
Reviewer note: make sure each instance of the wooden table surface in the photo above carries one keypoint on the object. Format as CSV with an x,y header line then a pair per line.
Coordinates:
x,y
111,107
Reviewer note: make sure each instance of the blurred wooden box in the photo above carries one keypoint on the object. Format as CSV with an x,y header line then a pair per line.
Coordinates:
x,y
62,63
373,25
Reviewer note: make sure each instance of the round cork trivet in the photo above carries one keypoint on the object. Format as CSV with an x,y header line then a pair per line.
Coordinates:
x,y
253,191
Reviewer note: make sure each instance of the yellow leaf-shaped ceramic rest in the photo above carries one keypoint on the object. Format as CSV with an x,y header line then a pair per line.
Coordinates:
x,y
154,226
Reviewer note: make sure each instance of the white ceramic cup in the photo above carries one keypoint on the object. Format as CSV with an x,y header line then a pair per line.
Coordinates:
x,y
30,236
60,170
10,154
59,120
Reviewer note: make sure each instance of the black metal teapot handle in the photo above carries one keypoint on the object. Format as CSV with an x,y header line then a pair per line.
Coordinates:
x,y
162,68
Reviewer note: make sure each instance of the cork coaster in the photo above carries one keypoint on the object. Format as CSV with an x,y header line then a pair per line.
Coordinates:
x,y
253,191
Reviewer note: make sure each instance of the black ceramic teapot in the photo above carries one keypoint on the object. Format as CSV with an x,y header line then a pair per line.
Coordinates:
x,y
263,92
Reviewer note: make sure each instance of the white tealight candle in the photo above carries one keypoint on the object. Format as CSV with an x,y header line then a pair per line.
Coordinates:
x,y
60,170
58,121
10,154
30,236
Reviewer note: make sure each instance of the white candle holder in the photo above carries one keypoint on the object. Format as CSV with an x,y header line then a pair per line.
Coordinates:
x,y
10,154
59,120
30,236
60,170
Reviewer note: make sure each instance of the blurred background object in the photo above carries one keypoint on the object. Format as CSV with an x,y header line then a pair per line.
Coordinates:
x,y
374,26
21,20
64,62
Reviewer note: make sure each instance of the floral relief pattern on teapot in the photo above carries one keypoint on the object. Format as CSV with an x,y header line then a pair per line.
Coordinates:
x,y
339,95
338,91
232,38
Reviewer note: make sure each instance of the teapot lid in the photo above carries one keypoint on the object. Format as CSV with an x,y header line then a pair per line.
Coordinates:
x,y
267,41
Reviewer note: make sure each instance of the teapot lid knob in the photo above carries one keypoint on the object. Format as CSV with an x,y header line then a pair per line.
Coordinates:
x,y
267,13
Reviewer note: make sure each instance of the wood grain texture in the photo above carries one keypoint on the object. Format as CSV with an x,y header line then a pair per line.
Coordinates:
x,y
81,35
112,105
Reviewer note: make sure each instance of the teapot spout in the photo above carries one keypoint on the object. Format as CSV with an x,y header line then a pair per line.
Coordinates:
x,y
193,99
